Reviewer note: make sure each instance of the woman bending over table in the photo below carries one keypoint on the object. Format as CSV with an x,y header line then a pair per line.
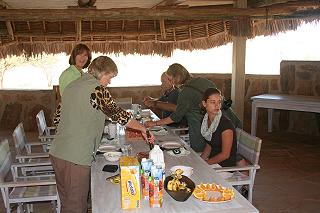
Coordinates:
x,y
188,103
85,104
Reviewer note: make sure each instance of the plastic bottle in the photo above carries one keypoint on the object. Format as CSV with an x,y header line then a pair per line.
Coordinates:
x,y
156,155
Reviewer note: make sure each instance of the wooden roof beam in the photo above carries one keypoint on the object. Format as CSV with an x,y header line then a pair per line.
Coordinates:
x,y
167,3
264,3
274,11
92,33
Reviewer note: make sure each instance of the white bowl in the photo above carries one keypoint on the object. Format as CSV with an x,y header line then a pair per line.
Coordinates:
x,y
187,170
112,156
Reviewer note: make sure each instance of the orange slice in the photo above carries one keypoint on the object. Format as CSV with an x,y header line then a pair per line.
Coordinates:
x,y
198,194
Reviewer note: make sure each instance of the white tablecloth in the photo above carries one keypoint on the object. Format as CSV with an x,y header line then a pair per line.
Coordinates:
x,y
106,196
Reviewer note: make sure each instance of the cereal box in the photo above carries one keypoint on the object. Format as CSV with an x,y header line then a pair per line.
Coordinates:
x,y
130,182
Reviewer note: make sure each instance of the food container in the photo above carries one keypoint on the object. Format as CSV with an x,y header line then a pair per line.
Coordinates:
x,y
130,182
141,155
180,195
112,156
156,187
187,170
145,174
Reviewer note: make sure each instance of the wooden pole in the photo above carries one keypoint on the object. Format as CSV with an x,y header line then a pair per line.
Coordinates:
x,y
78,26
162,29
10,30
238,70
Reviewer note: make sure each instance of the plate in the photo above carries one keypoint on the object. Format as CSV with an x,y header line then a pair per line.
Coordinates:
x,y
107,148
170,145
217,194
156,128
209,193
112,156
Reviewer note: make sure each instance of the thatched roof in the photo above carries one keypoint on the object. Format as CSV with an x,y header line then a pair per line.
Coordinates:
x,y
142,26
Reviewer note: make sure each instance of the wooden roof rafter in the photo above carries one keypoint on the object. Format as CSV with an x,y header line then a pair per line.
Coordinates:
x,y
82,29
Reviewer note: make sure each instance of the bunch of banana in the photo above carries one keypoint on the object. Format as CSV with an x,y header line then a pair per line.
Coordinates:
x,y
178,174
175,184
114,179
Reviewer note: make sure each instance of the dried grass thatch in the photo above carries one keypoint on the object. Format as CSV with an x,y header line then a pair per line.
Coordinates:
x,y
141,37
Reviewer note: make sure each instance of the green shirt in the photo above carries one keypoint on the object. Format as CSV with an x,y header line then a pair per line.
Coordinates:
x,y
188,106
67,76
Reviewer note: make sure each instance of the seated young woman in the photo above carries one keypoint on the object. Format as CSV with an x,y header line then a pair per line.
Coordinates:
x,y
218,131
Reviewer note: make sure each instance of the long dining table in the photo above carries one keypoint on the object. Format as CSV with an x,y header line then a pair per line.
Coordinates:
x,y
106,196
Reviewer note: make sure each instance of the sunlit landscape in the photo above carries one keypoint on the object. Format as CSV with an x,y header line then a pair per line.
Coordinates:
x,y
263,56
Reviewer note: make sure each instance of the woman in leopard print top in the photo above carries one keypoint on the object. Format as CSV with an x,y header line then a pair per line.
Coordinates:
x,y
101,99
80,118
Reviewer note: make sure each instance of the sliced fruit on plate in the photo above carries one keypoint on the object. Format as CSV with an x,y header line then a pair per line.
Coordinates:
x,y
199,194
213,193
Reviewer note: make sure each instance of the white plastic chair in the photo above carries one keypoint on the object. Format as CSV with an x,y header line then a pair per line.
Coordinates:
x,y
45,133
24,190
249,147
24,152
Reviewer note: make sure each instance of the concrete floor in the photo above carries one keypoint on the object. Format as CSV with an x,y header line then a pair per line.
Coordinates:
x,y
289,178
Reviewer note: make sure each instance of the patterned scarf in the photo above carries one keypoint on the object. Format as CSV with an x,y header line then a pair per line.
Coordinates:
x,y
207,132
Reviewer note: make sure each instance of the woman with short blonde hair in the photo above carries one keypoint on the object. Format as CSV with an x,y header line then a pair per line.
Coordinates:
x,y
85,104
103,65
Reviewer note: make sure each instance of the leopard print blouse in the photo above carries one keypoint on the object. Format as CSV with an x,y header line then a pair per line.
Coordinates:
x,y
101,99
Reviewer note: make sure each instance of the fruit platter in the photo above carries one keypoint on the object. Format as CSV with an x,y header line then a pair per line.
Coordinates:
x,y
212,192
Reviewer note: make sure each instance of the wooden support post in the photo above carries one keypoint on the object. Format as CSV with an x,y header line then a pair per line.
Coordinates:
x,y
238,70
78,26
162,29
10,30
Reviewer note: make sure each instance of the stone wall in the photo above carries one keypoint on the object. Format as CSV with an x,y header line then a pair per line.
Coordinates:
x,y
301,78
17,106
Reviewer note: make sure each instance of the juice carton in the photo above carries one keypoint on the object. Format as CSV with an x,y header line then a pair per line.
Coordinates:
x,y
145,174
156,187
130,182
